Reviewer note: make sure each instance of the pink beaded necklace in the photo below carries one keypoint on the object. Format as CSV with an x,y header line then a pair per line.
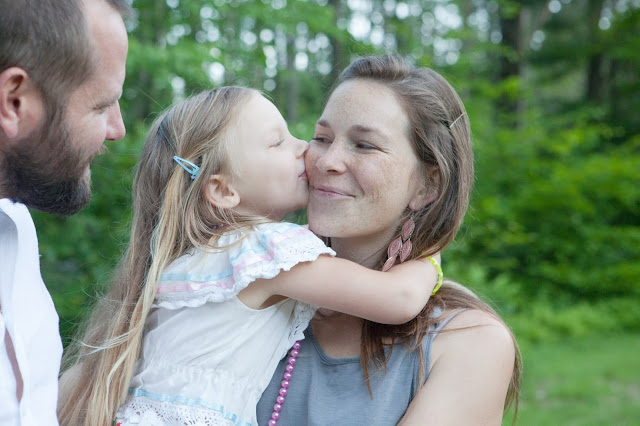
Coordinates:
x,y
288,373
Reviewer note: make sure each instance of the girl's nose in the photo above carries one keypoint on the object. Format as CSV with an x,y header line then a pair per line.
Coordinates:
x,y
302,147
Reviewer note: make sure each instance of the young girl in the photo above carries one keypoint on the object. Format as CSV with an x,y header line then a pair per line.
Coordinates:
x,y
217,172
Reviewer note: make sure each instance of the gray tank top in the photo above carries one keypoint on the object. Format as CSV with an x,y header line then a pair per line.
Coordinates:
x,y
331,391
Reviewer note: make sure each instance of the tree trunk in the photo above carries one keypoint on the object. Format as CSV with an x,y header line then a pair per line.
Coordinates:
x,y
292,80
595,77
337,47
510,62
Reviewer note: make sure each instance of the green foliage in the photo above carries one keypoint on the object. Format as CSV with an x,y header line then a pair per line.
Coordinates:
x,y
542,317
552,234
557,209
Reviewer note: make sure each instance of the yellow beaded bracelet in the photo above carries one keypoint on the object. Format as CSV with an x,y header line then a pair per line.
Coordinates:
x,y
440,274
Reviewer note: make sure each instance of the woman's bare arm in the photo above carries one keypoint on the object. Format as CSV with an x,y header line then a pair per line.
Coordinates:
x,y
469,376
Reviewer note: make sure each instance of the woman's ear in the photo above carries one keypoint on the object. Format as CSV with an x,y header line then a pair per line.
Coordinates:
x,y
219,192
428,192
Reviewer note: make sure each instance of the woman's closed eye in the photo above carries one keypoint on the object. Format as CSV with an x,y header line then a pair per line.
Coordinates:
x,y
278,143
365,145
320,139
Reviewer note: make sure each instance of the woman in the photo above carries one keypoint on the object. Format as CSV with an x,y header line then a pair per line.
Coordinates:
x,y
393,145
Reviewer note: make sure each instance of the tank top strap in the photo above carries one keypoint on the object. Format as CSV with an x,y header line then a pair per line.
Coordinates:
x,y
442,324
434,330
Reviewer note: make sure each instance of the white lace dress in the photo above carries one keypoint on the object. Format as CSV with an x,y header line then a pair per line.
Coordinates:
x,y
206,357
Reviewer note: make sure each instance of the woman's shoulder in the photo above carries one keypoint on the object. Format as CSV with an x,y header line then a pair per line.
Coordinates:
x,y
475,337
472,318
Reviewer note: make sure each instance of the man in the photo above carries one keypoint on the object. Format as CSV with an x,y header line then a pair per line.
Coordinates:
x,y
62,66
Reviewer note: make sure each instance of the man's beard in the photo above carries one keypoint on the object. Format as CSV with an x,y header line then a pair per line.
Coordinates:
x,y
47,172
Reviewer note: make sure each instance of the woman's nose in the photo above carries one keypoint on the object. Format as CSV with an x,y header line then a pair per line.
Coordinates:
x,y
331,159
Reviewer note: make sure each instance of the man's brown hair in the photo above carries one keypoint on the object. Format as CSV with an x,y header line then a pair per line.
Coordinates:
x,y
49,39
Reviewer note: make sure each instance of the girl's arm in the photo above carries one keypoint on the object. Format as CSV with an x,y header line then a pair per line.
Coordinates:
x,y
392,297
470,372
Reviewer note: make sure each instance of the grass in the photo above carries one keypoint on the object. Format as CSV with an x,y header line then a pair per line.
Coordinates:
x,y
581,382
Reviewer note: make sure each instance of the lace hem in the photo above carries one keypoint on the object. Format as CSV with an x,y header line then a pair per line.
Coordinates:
x,y
303,313
141,411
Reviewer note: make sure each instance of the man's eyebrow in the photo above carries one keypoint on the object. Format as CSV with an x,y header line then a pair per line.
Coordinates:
x,y
110,101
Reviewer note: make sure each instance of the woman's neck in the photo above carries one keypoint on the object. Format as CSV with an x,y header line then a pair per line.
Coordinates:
x,y
337,334
364,251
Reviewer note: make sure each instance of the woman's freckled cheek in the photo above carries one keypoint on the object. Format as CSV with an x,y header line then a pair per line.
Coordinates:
x,y
379,184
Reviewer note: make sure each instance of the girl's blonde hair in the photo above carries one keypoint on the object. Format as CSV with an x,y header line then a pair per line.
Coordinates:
x,y
441,136
170,216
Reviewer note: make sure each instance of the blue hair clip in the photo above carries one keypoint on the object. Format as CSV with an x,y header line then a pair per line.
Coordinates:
x,y
188,166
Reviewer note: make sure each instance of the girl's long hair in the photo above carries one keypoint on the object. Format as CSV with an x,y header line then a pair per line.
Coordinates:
x,y
170,217
441,138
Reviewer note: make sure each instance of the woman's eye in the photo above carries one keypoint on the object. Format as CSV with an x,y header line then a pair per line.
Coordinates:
x,y
319,139
364,145
278,143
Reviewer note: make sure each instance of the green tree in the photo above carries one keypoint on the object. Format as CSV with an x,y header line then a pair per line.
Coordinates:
x,y
551,88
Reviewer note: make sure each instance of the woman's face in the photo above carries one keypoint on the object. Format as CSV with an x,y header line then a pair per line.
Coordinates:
x,y
363,173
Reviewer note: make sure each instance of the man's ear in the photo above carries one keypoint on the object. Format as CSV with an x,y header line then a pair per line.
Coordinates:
x,y
219,192
428,191
21,105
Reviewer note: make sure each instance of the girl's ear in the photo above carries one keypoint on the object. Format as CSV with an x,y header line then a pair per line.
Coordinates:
x,y
219,192
427,193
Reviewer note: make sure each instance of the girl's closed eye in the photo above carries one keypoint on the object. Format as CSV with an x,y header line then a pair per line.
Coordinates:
x,y
278,143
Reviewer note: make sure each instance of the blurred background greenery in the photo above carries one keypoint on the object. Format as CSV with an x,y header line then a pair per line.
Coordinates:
x,y
552,89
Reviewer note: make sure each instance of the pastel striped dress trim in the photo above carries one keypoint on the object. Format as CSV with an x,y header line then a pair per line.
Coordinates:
x,y
221,273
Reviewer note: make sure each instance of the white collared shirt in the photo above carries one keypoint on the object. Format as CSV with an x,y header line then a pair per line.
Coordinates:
x,y
28,315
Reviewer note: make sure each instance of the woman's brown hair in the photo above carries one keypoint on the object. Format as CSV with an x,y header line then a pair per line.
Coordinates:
x,y
441,136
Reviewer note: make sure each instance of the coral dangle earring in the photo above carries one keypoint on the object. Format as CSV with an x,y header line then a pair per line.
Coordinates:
x,y
400,246
407,232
